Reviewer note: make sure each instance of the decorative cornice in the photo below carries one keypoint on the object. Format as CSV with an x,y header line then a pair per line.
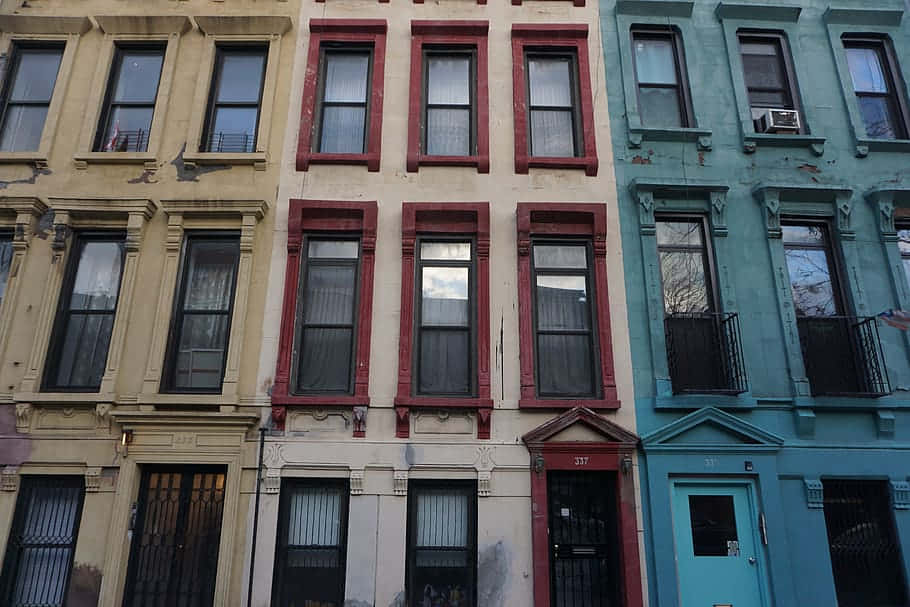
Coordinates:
x,y
210,419
763,12
103,205
143,24
760,439
863,16
250,25
610,431
23,204
654,8
203,207
34,24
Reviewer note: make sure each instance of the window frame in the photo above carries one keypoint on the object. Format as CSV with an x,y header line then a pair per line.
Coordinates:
x,y
835,269
17,46
558,221
671,33
785,58
714,299
62,312
353,32
559,39
533,53
893,75
332,48
178,313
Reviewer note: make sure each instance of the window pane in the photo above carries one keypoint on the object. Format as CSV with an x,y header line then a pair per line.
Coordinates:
x,y
441,548
879,117
773,99
763,70
6,258
36,75
655,62
128,130
445,251
552,133
233,129
713,525
325,360
562,303
329,295
210,275
97,276
444,362
866,70
684,284
442,519
810,282
679,233
803,234
903,240
659,106
550,81
139,73
444,297
448,132
560,256
564,364
200,355
448,80
334,249
346,77
86,339
241,77
22,128
342,130
314,516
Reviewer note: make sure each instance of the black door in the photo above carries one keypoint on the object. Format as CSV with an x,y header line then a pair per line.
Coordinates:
x,y
584,568
174,555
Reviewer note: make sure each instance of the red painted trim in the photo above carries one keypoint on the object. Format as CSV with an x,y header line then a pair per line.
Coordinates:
x,y
327,216
444,218
564,219
452,33
557,36
342,30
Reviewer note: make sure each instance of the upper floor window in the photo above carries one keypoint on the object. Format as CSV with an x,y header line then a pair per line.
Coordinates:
x,y
768,72
27,94
201,325
450,120
553,106
344,99
232,120
129,104
85,318
684,265
878,87
6,260
812,270
663,90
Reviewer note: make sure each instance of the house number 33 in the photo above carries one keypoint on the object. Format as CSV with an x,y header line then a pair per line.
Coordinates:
x,y
581,461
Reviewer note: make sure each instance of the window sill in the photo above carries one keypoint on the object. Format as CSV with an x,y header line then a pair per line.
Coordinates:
x,y
481,162
370,160
145,158
257,159
187,398
702,137
752,141
559,403
588,163
322,401
865,145
39,159
65,398
444,401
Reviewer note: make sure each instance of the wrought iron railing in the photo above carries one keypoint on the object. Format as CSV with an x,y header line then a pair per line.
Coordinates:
x,y
704,353
231,143
128,141
843,356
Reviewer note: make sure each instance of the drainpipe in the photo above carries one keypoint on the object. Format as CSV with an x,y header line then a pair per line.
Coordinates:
x,y
249,596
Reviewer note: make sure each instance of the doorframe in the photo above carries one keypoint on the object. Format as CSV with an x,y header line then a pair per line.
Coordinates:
x,y
752,497
616,455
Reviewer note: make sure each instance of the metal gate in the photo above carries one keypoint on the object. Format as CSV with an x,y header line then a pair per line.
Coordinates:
x,y
177,530
584,552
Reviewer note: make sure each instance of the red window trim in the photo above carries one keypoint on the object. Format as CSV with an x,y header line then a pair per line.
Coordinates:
x,y
326,216
342,30
462,33
444,218
564,219
572,37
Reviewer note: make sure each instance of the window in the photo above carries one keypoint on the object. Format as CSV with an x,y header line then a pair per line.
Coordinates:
x,y
341,121
85,318
42,541
684,265
129,105
554,125
813,280
862,539
449,124
442,543
327,309
878,85
27,95
6,260
903,245
312,542
768,71
201,324
663,92
233,114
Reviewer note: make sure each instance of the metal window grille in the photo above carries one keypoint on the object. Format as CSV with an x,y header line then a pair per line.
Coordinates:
x,y
862,539
42,542
843,355
704,352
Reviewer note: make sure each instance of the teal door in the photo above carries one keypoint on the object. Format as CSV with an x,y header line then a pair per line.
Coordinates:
x,y
718,553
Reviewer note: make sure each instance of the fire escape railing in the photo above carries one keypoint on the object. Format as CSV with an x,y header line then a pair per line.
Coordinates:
x,y
128,141
704,353
231,143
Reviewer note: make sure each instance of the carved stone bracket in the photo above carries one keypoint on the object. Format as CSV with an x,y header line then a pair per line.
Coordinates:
x,y
484,422
718,212
805,422
645,200
272,481
401,482
900,495
770,200
402,422
815,494
484,482
844,205
884,423
712,195
9,478
23,416
885,201
360,422
102,411
92,480
279,416
357,481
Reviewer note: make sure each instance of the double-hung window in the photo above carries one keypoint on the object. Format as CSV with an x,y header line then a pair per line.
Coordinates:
x,y
553,103
27,95
878,87
42,541
768,72
663,91
232,120
343,99
129,104
450,120
85,317
201,325
684,265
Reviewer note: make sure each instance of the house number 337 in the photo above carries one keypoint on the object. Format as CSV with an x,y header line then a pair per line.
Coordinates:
x,y
581,461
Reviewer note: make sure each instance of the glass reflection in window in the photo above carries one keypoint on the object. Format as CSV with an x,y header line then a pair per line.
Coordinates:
x,y
809,265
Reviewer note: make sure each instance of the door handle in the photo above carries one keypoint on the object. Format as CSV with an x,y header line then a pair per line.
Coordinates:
x,y
751,560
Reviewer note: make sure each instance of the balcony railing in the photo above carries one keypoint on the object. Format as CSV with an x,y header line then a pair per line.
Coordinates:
x,y
843,356
128,141
230,143
704,353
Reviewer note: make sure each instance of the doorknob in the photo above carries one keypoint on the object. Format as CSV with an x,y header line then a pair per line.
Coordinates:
x,y
751,560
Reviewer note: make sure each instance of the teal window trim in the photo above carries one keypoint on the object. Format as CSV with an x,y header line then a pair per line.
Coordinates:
x,y
666,197
663,14
874,22
776,18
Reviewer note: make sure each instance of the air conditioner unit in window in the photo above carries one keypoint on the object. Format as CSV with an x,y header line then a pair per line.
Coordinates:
x,y
777,121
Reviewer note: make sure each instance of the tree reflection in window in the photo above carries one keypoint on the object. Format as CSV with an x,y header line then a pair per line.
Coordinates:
x,y
809,266
684,266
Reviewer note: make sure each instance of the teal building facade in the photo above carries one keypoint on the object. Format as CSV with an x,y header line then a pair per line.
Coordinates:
x,y
762,158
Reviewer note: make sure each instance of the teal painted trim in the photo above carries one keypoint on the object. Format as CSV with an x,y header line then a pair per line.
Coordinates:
x,y
702,137
761,12
816,145
884,424
759,436
863,16
687,402
864,145
666,8
804,420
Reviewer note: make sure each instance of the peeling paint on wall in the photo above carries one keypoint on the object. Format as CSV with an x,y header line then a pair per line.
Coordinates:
x,y
185,174
493,573
36,172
